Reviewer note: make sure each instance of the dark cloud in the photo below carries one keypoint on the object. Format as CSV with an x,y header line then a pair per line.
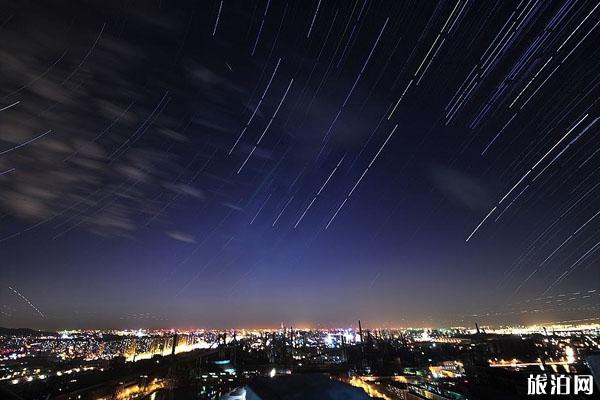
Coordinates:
x,y
107,152
461,188
182,237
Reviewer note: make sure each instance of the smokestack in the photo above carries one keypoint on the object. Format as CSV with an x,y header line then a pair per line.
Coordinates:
x,y
360,331
174,344
362,343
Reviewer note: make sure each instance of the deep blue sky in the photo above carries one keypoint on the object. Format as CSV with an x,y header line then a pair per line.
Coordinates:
x,y
132,195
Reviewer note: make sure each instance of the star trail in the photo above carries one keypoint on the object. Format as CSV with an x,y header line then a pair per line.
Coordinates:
x,y
243,163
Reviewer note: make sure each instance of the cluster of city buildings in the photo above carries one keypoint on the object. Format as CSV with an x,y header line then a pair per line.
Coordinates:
x,y
455,363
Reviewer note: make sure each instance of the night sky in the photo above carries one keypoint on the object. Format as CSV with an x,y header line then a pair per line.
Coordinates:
x,y
250,163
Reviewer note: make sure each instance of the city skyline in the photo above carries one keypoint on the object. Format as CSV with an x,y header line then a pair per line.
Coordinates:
x,y
239,164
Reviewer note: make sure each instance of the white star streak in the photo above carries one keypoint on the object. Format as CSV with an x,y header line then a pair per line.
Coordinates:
x,y
481,223
25,143
565,149
511,203
304,213
532,168
362,176
336,213
427,55
561,139
26,300
569,238
573,266
498,134
514,187
430,61
439,35
267,127
529,83
86,56
217,20
256,108
282,210
261,207
577,28
360,74
400,99
10,106
362,70
7,171
318,193
313,19
525,281
262,23
580,41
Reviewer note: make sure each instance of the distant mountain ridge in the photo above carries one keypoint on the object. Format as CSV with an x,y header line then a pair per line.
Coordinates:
x,y
24,332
